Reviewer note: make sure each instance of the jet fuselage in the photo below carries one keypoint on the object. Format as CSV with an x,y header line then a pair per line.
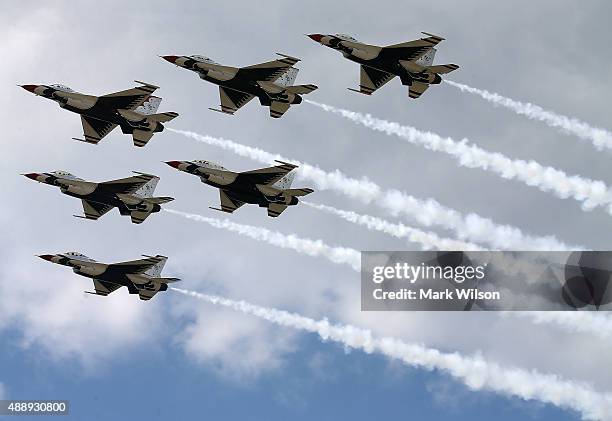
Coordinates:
x,y
233,80
90,106
239,187
376,58
116,274
97,193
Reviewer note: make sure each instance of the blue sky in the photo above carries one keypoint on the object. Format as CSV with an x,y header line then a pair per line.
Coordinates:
x,y
117,358
320,380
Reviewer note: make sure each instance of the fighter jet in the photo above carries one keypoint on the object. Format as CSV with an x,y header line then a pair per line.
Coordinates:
x,y
131,195
266,187
141,276
271,82
133,110
411,61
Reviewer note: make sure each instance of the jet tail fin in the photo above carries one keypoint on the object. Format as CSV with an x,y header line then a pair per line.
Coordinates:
x,y
148,188
427,58
288,77
150,106
155,270
285,182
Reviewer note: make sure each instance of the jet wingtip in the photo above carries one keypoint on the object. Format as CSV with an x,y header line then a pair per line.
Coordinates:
x,y
147,84
289,57
285,163
145,174
432,35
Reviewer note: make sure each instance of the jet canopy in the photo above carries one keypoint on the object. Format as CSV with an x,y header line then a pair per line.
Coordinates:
x,y
77,256
203,58
346,37
208,164
64,174
63,88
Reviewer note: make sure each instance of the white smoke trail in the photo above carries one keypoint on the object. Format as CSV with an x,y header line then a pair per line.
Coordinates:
x,y
427,212
577,321
431,241
474,371
591,193
600,138
427,240
314,248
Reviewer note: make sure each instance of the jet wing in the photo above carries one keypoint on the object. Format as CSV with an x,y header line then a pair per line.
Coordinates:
x,y
232,100
270,70
416,89
94,130
103,287
228,203
129,184
94,210
269,175
137,266
371,79
128,99
275,209
411,50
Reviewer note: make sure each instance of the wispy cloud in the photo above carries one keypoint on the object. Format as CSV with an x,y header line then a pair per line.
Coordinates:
x,y
314,248
427,212
590,193
600,138
474,371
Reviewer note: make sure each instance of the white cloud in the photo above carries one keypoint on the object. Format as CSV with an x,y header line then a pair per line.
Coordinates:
x,y
235,346
52,312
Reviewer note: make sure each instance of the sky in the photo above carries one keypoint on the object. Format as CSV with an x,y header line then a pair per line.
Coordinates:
x,y
178,356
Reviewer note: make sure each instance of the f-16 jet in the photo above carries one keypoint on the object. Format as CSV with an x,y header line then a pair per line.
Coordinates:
x,y
131,195
134,110
412,61
271,82
267,187
141,276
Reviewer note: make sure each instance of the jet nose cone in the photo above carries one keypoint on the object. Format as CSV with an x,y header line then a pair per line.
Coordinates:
x,y
174,164
48,257
32,175
29,87
315,37
171,59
